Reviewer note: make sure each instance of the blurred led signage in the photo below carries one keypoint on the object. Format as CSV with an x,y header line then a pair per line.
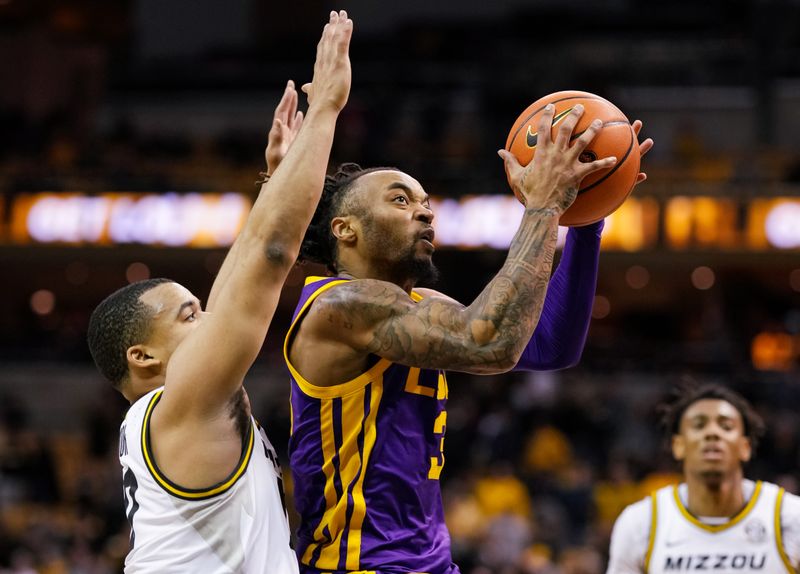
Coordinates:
x,y
782,223
701,222
170,219
486,221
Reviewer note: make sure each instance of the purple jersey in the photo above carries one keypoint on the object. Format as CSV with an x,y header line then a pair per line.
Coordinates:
x,y
366,456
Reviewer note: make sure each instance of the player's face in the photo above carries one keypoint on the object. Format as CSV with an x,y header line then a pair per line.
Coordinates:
x,y
711,440
396,221
177,313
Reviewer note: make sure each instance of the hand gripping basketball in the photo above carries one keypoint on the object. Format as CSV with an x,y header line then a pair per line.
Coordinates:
x,y
602,191
552,178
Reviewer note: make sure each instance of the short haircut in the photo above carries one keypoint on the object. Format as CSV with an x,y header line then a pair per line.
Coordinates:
x,y
319,243
120,321
689,393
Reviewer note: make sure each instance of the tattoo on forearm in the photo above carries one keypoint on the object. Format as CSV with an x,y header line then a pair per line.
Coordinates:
x,y
440,333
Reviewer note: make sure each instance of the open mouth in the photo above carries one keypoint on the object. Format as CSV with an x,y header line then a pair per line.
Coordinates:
x,y
427,235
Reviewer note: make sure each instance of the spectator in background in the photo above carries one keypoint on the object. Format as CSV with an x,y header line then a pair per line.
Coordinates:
x,y
716,519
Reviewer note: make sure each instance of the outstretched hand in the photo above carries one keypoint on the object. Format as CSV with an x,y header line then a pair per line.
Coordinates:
x,y
552,178
332,74
286,123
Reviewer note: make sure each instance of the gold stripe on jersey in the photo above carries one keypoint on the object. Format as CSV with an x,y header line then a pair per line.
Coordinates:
x,y
717,527
651,542
328,453
189,493
291,412
352,469
779,532
348,459
359,502
332,391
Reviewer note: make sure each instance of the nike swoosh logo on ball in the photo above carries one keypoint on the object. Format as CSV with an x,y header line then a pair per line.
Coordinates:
x,y
532,138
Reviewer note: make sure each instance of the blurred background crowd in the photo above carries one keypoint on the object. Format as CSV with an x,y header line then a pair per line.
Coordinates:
x,y
156,97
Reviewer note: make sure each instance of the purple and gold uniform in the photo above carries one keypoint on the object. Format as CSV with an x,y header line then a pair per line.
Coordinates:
x,y
366,456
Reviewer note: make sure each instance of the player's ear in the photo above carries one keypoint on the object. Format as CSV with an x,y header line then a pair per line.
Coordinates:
x,y
141,360
343,229
678,447
745,449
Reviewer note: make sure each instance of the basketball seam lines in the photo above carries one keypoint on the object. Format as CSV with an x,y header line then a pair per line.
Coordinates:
x,y
611,172
525,121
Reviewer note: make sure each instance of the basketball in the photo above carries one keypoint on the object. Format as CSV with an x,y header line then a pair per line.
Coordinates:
x,y
601,192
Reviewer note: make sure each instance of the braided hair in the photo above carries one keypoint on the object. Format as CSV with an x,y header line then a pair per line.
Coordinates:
x,y
319,243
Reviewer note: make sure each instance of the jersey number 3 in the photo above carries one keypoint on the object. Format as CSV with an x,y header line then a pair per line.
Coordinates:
x,y
440,424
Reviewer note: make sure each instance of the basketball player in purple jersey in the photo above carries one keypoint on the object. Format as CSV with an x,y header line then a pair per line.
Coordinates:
x,y
366,350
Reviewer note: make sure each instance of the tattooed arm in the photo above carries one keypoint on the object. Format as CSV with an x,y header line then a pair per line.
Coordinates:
x,y
558,340
559,337
489,335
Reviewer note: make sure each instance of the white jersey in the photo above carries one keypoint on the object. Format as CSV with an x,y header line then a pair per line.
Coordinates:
x,y
236,526
658,535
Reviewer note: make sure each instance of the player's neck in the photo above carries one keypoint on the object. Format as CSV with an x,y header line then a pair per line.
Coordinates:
x,y
366,271
137,388
718,498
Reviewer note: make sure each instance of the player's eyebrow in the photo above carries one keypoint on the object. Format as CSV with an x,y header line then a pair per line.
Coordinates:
x,y
183,306
399,185
407,189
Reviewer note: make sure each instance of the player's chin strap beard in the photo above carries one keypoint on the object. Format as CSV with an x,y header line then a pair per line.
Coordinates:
x,y
422,272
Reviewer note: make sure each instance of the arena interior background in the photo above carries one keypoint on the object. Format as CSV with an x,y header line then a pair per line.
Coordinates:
x,y
131,132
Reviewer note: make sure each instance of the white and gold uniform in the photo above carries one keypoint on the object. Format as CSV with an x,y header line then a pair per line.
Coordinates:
x,y
658,535
238,525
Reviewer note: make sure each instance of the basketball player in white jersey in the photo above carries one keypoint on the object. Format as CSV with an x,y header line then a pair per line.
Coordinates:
x,y
201,480
716,521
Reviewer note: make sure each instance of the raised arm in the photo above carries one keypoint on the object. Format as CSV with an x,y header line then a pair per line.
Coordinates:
x,y
208,367
286,123
490,334
558,340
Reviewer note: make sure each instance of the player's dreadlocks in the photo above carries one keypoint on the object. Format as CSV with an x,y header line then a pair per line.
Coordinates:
x,y
689,393
120,321
319,244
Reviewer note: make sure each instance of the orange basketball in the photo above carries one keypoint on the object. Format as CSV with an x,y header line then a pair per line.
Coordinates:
x,y
601,192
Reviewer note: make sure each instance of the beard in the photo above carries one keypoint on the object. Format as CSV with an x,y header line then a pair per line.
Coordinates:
x,y
421,270
400,263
